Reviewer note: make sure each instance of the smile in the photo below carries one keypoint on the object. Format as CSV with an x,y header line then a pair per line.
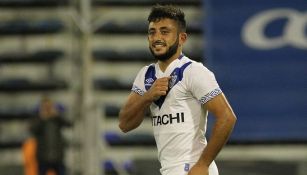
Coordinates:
x,y
159,44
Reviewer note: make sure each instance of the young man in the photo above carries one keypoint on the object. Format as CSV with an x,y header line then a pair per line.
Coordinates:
x,y
179,93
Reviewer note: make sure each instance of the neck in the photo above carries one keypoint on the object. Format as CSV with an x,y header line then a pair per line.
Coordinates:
x,y
164,64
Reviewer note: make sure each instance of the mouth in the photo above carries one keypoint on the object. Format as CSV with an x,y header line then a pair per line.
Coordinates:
x,y
158,44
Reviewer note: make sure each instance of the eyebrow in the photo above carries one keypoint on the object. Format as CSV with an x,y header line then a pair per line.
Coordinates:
x,y
161,28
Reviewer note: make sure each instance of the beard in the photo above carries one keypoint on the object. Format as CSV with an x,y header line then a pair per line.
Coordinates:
x,y
168,54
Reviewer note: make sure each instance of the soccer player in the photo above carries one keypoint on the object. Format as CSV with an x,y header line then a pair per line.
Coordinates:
x,y
179,93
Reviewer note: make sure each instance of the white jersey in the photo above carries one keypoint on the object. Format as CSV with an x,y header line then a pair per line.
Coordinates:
x,y
179,119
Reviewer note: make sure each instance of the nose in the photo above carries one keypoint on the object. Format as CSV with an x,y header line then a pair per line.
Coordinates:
x,y
155,37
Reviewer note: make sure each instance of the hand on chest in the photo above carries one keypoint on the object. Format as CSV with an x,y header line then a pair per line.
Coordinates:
x,y
176,88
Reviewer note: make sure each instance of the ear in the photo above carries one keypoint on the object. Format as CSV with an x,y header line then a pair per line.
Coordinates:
x,y
182,38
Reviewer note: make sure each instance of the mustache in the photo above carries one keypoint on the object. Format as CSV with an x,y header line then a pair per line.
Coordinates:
x,y
159,43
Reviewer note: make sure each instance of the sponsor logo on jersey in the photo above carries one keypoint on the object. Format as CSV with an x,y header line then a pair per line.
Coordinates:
x,y
149,81
167,119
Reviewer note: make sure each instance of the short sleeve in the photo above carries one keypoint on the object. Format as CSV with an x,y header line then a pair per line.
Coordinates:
x,y
138,84
202,83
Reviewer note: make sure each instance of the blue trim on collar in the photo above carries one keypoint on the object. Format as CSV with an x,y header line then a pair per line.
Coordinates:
x,y
181,56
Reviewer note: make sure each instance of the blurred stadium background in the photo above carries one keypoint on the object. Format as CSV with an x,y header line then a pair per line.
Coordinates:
x,y
85,54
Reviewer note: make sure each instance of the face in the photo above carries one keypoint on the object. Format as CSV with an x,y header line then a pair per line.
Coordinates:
x,y
164,38
47,108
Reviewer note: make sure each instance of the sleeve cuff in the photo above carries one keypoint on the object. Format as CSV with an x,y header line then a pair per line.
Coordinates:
x,y
210,95
137,90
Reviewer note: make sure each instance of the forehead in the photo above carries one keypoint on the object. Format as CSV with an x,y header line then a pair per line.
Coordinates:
x,y
163,23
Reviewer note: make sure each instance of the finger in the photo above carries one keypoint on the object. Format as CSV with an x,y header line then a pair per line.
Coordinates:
x,y
161,93
162,83
163,88
165,79
168,78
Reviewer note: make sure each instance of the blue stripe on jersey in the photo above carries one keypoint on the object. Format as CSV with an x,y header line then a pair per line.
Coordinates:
x,y
176,76
150,77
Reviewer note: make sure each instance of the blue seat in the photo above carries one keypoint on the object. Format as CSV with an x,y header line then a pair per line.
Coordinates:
x,y
138,27
24,113
131,55
25,85
16,114
111,84
111,110
24,27
33,3
136,139
9,144
43,56
109,168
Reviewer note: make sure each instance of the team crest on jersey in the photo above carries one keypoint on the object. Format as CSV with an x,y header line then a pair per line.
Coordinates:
x,y
173,81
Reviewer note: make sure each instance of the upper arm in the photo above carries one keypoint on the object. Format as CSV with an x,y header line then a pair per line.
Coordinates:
x,y
207,91
219,107
132,98
132,113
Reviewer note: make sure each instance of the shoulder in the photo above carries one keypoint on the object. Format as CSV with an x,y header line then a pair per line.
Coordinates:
x,y
196,67
144,69
144,73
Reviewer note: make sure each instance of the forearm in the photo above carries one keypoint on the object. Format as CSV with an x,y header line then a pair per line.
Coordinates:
x,y
132,114
220,133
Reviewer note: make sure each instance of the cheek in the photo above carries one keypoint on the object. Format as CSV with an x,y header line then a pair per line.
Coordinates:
x,y
172,40
149,40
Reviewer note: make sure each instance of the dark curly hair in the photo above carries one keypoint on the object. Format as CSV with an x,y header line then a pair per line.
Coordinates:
x,y
159,12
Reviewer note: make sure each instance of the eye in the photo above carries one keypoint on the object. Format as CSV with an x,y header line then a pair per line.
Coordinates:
x,y
164,32
151,32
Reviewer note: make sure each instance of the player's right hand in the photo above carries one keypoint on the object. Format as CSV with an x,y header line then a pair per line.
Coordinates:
x,y
158,89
